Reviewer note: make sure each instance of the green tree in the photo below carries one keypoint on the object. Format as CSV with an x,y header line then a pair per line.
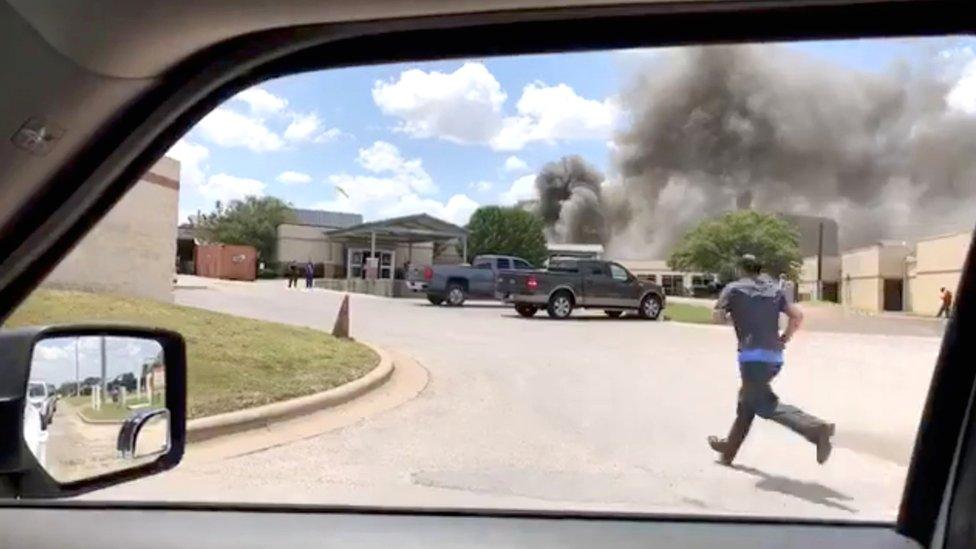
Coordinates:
x,y
253,221
507,231
715,245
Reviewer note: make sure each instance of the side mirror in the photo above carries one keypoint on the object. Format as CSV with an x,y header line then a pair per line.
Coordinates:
x,y
89,406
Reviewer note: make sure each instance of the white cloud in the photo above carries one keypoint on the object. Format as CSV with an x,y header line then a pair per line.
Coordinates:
x,y
302,127
962,96
228,128
225,187
394,186
52,351
522,188
293,178
192,157
466,106
261,101
328,135
553,113
515,164
481,186
384,158
463,106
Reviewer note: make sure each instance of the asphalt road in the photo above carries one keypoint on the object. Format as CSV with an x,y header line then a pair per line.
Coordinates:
x,y
588,413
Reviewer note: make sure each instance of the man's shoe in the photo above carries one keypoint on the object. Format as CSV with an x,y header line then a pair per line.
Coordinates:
x,y
823,443
722,447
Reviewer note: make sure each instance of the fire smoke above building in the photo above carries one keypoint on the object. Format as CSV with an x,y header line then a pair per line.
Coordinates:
x,y
715,128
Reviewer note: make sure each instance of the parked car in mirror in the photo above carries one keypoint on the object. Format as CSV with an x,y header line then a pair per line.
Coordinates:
x,y
43,400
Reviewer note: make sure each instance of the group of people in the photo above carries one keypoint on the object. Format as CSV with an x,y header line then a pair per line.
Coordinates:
x,y
294,271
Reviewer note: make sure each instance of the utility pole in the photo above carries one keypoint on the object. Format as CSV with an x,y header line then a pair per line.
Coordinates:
x,y
77,371
820,262
104,368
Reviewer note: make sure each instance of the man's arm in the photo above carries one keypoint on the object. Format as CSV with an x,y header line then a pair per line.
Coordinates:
x,y
720,314
795,316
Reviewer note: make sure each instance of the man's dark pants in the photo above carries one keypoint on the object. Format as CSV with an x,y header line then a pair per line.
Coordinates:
x,y
944,310
756,398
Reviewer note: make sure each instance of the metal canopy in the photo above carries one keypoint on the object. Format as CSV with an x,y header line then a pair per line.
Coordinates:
x,y
407,229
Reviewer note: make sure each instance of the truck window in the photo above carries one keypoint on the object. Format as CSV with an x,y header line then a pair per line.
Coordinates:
x,y
618,272
522,265
595,269
565,266
504,263
483,264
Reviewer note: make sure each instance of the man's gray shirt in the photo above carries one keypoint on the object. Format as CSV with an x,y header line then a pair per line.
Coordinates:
x,y
755,304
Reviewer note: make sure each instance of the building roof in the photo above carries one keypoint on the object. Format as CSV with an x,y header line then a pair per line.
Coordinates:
x,y
574,247
324,219
410,228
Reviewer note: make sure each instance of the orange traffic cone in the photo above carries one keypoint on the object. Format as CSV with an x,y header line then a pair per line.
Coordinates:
x,y
341,328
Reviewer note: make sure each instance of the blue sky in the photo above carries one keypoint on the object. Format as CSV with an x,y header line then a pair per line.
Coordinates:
x,y
442,137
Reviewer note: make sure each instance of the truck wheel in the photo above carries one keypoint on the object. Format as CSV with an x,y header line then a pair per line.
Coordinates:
x,y
650,307
560,305
613,314
455,295
526,310
434,300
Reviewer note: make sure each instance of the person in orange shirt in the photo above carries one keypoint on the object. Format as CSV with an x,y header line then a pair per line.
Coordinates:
x,y
946,303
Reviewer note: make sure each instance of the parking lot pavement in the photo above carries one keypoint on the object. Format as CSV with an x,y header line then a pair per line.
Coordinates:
x,y
75,450
587,413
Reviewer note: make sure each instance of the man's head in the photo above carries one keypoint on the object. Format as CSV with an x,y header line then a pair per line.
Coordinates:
x,y
749,265
942,289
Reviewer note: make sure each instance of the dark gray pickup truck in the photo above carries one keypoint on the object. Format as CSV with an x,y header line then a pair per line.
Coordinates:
x,y
572,283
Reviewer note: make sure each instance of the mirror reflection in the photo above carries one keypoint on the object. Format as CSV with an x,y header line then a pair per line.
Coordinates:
x,y
96,404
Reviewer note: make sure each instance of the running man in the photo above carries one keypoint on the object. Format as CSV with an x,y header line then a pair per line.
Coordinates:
x,y
755,302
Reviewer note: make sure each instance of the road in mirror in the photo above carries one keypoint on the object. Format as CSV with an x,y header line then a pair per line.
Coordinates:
x,y
96,405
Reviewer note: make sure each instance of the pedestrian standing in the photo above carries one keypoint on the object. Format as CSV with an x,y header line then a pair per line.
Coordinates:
x,y
309,274
755,302
292,275
946,297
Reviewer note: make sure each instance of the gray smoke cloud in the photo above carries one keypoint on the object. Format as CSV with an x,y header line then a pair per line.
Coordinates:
x,y
569,201
715,128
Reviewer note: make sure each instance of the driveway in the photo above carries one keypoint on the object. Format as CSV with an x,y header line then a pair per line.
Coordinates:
x,y
588,413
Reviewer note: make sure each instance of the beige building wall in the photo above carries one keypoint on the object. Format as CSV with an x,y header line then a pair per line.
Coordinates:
x,y
831,272
938,264
863,271
132,250
421,253
301,243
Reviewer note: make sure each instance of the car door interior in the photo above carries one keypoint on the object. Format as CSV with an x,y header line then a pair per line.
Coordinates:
x,y
67,199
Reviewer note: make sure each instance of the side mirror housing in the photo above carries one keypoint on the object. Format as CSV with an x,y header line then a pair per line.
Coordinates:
x,y
85,407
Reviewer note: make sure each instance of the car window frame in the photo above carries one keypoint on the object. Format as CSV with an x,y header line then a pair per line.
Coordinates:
x,y
72,200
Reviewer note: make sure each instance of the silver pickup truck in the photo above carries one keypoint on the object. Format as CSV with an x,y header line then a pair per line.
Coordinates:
x,y
573,283
453,284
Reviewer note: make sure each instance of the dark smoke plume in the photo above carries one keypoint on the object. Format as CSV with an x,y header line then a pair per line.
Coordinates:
x,y
766,127
569,201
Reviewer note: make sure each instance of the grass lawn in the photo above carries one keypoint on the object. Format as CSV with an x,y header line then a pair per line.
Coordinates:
x,y
112,411
233,362
684,312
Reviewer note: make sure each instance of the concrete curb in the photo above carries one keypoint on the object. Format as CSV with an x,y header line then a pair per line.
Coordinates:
x,y
85,419
207,428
